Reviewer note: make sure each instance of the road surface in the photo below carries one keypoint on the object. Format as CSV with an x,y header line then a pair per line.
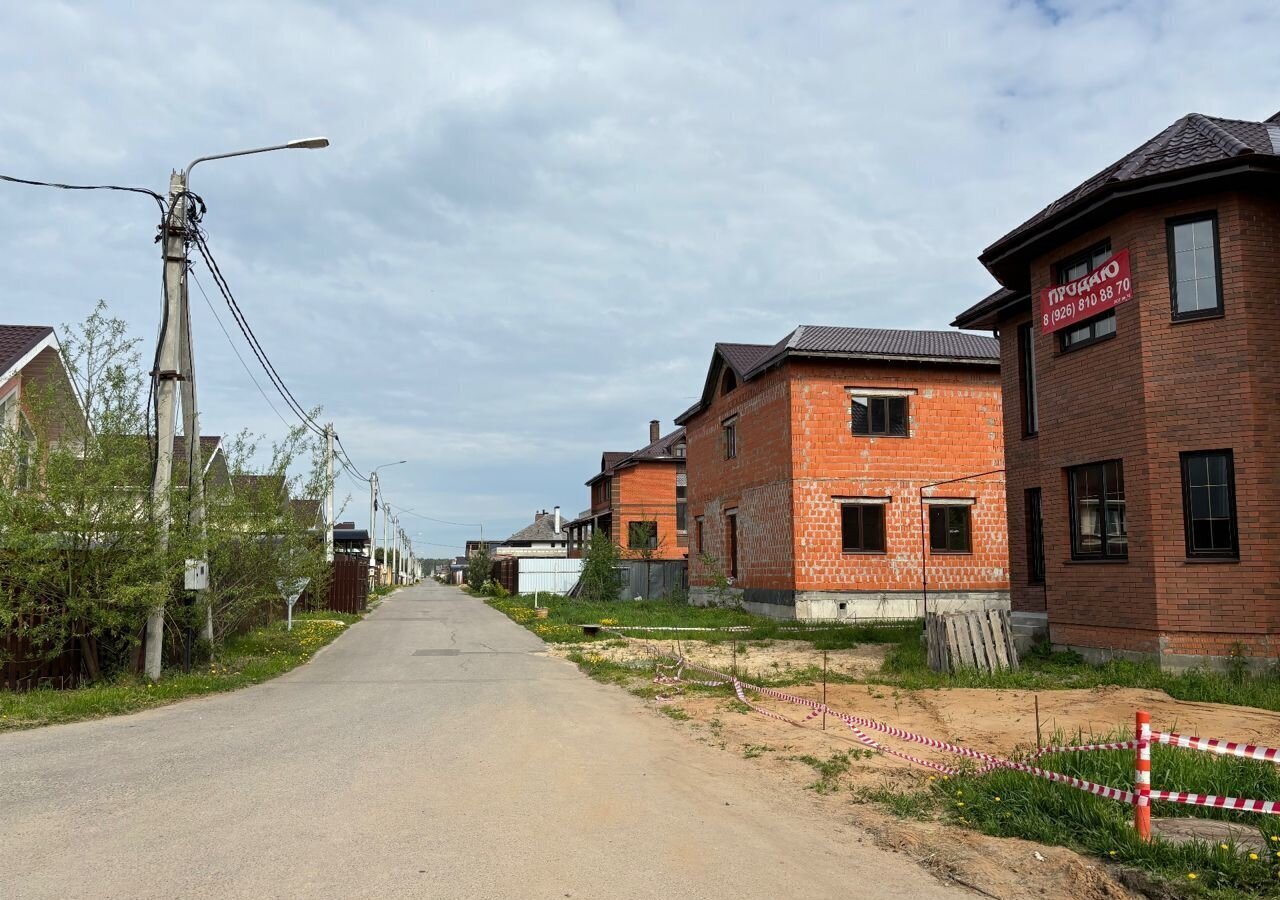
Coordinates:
x,y
433,751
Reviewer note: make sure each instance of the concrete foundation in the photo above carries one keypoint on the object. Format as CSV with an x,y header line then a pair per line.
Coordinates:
x,y
852,605
1173,662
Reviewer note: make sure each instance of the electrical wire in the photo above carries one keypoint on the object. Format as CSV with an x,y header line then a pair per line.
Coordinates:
x,y
444,522
88,187
247,331
236,350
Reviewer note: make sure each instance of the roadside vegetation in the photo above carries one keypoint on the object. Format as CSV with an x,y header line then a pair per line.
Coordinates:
x,y
258,655
1003,803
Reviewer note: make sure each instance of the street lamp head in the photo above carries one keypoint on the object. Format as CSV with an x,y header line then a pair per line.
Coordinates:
x,y
315,143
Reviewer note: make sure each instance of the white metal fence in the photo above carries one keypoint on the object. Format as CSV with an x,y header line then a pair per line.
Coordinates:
x,y
548,576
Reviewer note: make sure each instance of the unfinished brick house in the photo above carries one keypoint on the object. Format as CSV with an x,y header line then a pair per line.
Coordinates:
x,y
638,499
1138,328
810,470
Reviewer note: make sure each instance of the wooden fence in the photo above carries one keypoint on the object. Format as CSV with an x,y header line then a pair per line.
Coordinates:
x,y
22,668
348,590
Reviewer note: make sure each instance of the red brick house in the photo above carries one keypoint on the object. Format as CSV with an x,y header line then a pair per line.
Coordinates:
x,y
638,499
1138,328
813,471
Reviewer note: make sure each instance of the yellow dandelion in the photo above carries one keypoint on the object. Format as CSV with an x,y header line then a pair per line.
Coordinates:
x,y
1111,853
1192,875
1253,856
1224,846
960,803
997,799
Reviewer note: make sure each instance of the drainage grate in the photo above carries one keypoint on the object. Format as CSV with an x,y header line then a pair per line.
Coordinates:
x,y
446,652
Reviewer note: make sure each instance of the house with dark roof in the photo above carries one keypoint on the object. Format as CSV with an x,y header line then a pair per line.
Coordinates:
x,y
638,498
545,537
847,473
38,397
1139,331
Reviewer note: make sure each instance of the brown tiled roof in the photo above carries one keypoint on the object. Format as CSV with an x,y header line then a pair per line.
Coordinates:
x,y
980,315
542,529
1193,142
16,341
208,443
742,357
881,343
661,449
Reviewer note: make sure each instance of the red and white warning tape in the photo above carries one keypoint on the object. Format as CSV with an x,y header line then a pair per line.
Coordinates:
x,y
1213,745
857,724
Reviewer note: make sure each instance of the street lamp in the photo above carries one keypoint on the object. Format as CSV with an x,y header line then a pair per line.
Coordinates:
x,y
174,370
373,507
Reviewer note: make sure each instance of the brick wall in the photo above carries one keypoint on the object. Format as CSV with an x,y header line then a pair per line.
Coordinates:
x,y
797,454
1158,388
646,492
955,431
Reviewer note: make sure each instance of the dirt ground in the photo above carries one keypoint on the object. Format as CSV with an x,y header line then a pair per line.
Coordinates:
x,y
995,721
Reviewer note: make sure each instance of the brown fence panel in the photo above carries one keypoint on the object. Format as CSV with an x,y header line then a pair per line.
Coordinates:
x,y
348,585
506,572
22,668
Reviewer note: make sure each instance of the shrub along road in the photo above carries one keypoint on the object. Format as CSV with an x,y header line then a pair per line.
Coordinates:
x,y
432,751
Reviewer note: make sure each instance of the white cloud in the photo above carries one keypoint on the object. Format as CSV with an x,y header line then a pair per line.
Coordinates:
x,y
536,219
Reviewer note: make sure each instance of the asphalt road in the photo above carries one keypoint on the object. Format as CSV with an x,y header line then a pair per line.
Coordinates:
x,y
432,751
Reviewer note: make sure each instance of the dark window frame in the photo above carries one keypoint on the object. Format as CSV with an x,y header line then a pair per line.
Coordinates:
x,y
699,535
1027,380
682,501
1233,552
946,509
1216,312
731,539
1033,502
1060,270
729,434
863,546
872,398
1104,553
651,543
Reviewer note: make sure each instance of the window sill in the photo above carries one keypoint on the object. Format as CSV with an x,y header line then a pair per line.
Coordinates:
x,y
933,552
1101,561
1210,560
1031,437
1092,342
864,552
1197,317
896,437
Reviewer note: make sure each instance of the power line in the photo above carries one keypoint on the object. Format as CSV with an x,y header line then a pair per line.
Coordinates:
x,y
236,351
444,522
247,331
88,187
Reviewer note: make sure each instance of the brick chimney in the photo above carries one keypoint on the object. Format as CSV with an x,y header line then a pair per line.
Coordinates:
x,y
655,430
557,520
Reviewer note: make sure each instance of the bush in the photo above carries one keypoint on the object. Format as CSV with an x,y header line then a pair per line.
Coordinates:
x,y
599,579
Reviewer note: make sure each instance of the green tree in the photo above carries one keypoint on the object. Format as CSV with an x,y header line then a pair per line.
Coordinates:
x,y
599,580
479,568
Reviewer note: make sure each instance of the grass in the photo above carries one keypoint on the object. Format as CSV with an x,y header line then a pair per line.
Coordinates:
x,y
566,615
251,658
1011,804
905,666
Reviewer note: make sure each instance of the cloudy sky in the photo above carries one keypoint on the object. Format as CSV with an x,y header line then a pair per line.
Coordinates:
x,y
536,218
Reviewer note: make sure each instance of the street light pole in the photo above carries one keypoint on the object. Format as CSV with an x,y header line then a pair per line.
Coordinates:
x,y
373,512
174,371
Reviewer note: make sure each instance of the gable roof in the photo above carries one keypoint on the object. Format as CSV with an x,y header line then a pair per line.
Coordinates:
x,y
872,344
1194,144
17,343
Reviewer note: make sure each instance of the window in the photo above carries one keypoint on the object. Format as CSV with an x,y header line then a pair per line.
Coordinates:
x,y
697,534
642,535
949,528
1209,504
680,450
1035,537
729,382
1100,326
1195,284
862,527
731,532
1027,380
1097,511
682,501
731,438
886,416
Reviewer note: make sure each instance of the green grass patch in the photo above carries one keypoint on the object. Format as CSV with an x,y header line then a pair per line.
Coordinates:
x,y
906,666
251,658
1012,804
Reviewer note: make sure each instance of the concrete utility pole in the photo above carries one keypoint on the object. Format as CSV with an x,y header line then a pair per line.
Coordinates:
x,y
328,494
167,375
373,507
386,545
395,548
195,454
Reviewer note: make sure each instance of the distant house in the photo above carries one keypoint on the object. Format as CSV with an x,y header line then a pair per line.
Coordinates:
x,y
638,499
38,397
214,461
546,537
815,467
480,546
351,541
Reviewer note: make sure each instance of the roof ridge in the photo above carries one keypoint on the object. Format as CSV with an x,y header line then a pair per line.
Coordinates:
x,y
1228,143
794,338
1139,157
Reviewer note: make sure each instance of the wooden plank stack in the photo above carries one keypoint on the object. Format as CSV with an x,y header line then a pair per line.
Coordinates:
x,y
979,640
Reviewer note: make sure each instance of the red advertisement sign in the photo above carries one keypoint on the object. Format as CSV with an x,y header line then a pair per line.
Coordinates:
x,y
1103,288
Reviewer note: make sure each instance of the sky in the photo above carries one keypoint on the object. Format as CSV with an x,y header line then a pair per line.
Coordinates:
x,y
536,219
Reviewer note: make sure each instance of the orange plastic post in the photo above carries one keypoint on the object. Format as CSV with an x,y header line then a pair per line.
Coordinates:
x,y
1142,776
